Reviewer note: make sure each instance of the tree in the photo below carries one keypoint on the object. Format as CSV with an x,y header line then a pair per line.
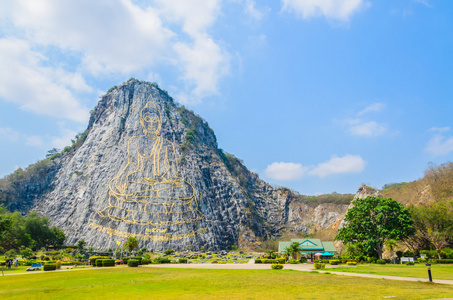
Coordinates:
x,y
271,254
293,249
434,222
169,251
372,221
52,152
80,245
131,243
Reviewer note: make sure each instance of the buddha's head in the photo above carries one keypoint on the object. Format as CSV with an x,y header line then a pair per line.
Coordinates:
x,y
150,119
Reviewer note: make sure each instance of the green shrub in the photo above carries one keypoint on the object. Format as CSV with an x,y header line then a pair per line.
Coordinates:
x,y
161,260
277,266
319,265
408,253
273,261
293,261
139,258
351,263
108,262
410,263
94,258
50,267
302,260
98,262
258,261
381,262
132,263
125,259
442,261
169,251
334,262
146,261
182,260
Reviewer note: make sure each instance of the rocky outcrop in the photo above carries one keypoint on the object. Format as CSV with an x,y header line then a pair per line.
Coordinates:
x,y
149,168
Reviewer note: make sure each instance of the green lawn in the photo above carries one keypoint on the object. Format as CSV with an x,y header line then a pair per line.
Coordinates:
x,y
160,283
418,270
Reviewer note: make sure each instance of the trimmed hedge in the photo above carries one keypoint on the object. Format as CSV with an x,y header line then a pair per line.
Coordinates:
x,y
277,266
107,262
94,258
270,261
161,260
351,263
133,263
139,258
182,260
334,262
441,261
50,267
381,262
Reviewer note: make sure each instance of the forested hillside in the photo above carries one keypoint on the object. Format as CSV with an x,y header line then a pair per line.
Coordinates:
x,y
436,185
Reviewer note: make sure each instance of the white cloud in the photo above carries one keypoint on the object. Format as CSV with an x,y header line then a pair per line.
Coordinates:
x,y
252,11
285,171
339,165
107,34
440,145
203,65
440,129
424,2
361,126
35,141
375,107
11,136
331,9
62,140
114,37
43,90
366,128
336,165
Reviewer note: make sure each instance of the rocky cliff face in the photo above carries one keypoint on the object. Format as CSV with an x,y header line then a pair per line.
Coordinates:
x,y
152,169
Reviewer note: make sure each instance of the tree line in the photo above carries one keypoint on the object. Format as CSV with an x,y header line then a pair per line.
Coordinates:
x,y
374,223
32,231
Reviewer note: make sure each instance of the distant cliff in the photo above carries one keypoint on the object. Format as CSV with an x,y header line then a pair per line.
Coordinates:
x,y
150,168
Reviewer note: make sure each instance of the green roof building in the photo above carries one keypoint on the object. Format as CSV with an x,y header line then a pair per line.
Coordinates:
x,y
309,246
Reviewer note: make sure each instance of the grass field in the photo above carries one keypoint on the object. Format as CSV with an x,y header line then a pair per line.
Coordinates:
x,y
418,271
161,283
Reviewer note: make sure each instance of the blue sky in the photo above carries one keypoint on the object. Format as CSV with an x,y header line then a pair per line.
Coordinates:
x,y
316,95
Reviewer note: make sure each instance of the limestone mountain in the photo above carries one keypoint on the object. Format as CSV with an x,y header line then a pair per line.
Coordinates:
x,y
150,168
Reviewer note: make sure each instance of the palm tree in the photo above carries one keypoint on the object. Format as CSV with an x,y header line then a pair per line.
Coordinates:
x,y
270,254
80,245
131,243
293,249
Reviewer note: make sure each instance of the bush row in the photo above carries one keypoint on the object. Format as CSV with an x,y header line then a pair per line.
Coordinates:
x,y
441,261
94,258
50,267
270,261
105,262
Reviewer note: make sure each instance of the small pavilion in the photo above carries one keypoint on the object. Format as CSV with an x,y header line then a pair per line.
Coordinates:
x,y
310,247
